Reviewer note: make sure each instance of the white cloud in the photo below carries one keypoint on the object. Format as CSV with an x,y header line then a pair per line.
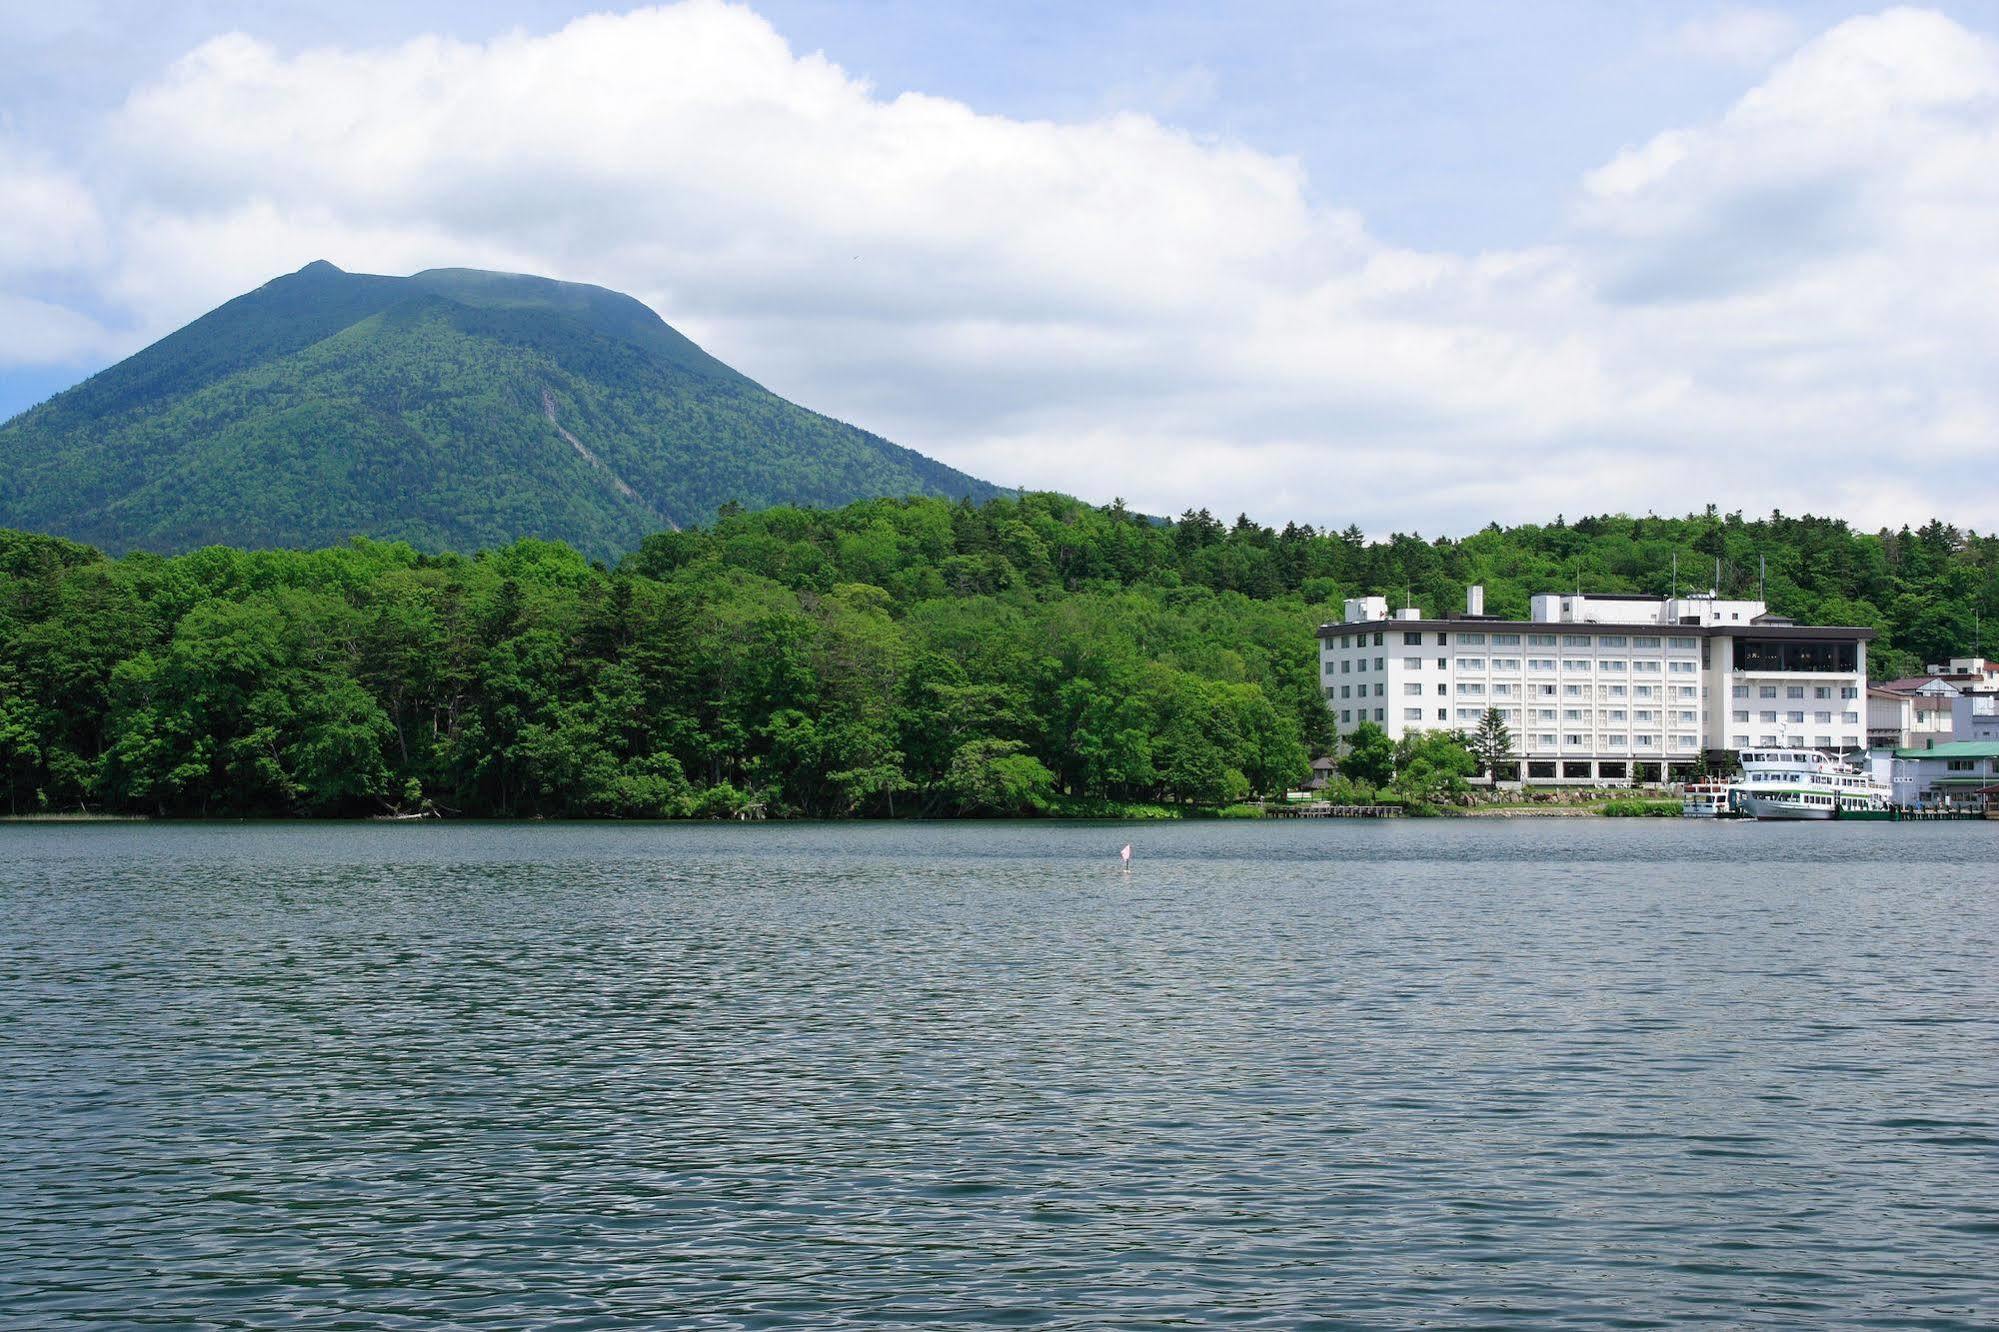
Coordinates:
x,y
1780,307
49,221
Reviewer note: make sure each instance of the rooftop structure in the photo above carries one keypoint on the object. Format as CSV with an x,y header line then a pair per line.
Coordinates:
x,y
1588,693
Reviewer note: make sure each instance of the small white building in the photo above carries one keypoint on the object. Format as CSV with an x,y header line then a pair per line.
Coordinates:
x,y
1975,715
1602,688
1902,714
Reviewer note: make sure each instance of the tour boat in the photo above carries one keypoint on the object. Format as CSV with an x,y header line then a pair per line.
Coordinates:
x,y
1706,800
1807,784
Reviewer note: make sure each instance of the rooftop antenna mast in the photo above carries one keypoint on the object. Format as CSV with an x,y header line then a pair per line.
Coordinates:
x,y
1763,579
1676,575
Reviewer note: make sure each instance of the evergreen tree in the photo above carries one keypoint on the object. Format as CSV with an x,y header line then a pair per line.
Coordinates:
x,y
1491,743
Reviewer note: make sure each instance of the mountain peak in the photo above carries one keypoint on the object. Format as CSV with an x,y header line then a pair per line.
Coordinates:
x,y
454,409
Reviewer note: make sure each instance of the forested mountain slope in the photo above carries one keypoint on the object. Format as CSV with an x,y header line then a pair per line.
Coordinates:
x,y
454,410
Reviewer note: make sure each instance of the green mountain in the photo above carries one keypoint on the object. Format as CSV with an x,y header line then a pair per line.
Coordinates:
x,y
455,410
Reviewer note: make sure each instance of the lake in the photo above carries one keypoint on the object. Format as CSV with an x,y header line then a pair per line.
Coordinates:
x,y
1526,1073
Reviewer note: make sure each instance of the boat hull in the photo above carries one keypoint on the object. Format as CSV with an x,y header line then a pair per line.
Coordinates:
x,y
1768,810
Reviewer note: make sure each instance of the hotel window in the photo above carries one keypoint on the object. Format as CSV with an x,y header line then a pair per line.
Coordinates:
x,y
1471,663
1443,714
1850,718
1377,643
1645,691
1443,663
1574,664
1362,666
1505,690
1543,691
1821,691
1381,663
1618,715
1766,691
1794,691
1685,716
1740,691
1545,741
1413,663
1613,691
1794,716
1575,640
1645,642
1573,741
1686,691
1412,714
1381,714
1346,667
1614,741
1614,667
1824,742
1822,718
1682,667
1442,639
1572,691
1766,716
1380,689
1572,714
1611,641
1740,716
1648,742
1544,714
1848,691
1346,715
1410,639
1540,640
1413,687
1684,742
1506,640
1740,741
1677,642
1540,664
1467,690
1470,714
1475,640
1443,688
1506,663
1650,667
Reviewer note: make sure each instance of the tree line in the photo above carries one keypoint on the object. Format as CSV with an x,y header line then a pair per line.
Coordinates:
x,y
889,658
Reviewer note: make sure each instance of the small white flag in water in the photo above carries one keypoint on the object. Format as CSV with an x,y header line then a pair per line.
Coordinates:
x,y
1125,855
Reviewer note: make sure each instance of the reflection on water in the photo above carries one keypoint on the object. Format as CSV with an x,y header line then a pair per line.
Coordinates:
x,y
1314,1074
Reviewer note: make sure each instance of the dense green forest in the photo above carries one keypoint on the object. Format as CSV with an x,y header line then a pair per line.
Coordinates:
x,y
915,657
453,409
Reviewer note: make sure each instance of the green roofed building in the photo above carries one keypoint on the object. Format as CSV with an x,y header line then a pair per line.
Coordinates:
x,y
1957,773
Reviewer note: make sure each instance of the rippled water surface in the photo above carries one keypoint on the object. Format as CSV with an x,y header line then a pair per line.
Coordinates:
x,y
1518,1074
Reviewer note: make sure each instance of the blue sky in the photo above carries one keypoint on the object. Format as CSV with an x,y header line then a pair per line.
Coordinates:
x,y
1571,232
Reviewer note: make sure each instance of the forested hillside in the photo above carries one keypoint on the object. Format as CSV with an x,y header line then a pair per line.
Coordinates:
x,y
453,409
890,657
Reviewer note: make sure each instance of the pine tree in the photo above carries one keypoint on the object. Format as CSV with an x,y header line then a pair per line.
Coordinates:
x,y
1491,742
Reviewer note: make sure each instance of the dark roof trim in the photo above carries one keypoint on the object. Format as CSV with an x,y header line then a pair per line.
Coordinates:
x,y
1803,631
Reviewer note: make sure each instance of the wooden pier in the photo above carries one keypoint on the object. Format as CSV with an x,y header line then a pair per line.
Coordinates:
x,y
1319,809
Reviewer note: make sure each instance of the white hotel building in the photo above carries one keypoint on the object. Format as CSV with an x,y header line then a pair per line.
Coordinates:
x,y
1602,688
